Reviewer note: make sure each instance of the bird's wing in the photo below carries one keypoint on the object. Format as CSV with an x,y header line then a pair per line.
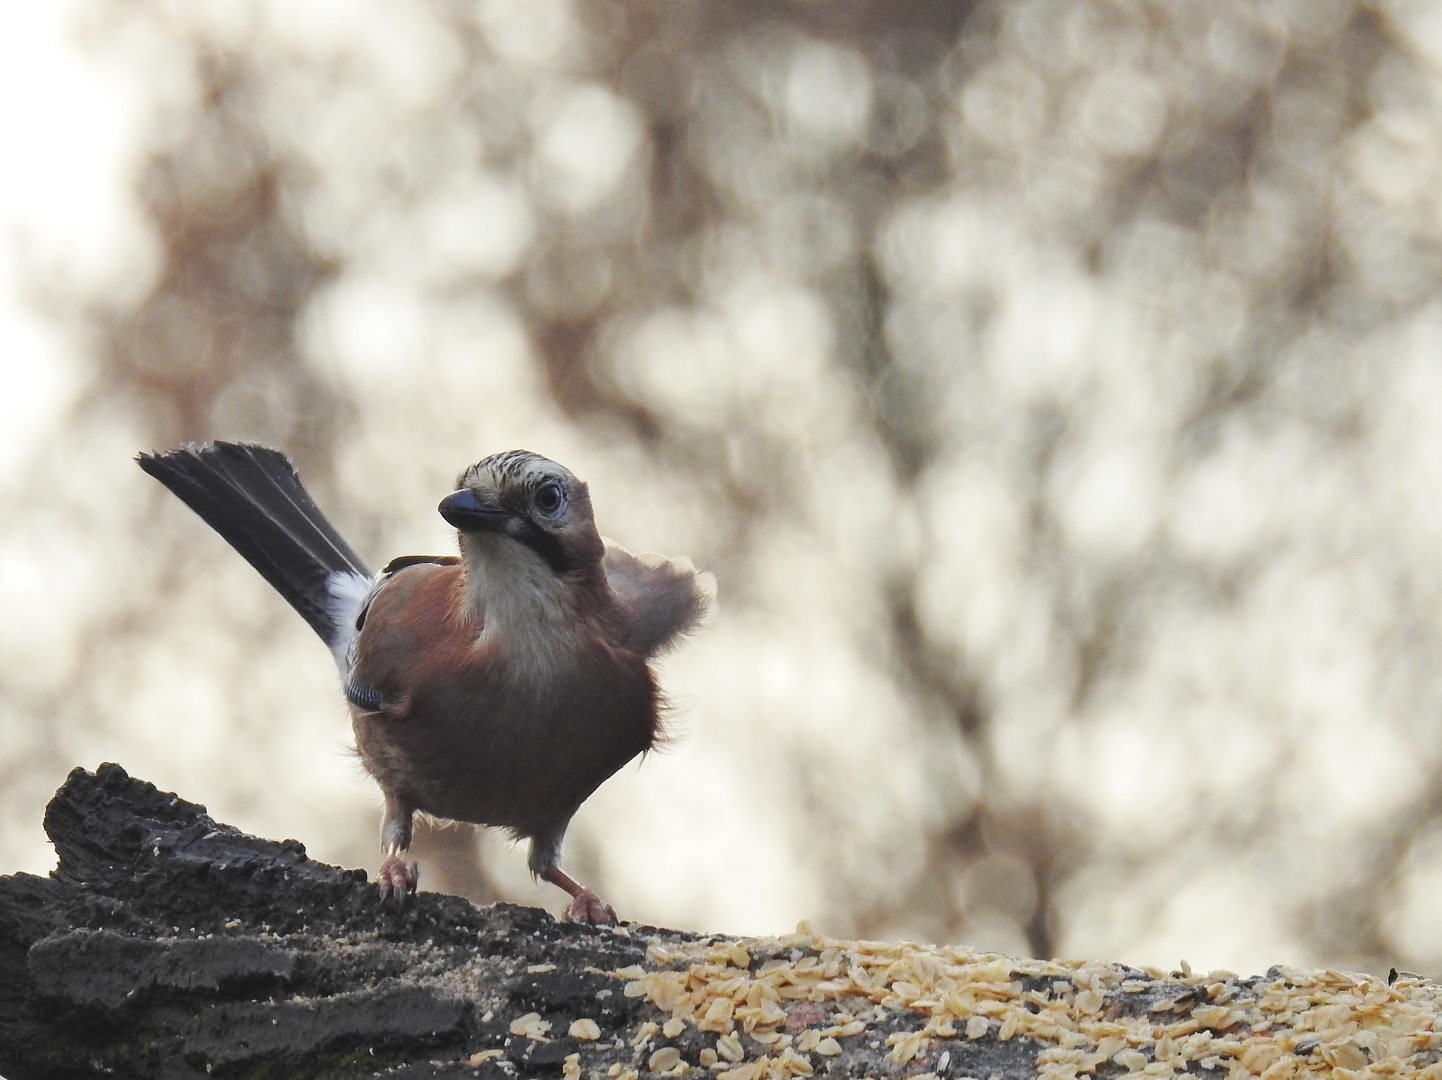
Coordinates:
x,y
408,617
350,599
660,599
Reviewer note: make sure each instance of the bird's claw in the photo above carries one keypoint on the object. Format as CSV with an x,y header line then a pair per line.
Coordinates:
x,y
397,879
587,907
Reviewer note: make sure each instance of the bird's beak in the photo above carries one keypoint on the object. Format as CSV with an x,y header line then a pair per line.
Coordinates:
x,y
467,513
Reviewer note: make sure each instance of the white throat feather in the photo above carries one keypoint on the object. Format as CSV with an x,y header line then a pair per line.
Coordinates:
x,y
521,604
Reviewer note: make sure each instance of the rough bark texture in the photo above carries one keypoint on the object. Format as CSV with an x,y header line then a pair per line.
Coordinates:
x,y
165,944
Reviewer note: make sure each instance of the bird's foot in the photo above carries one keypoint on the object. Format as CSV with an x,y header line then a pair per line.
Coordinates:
x,y
587,907
397,879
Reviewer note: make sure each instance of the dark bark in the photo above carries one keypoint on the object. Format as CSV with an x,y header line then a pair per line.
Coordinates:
x,y
167,945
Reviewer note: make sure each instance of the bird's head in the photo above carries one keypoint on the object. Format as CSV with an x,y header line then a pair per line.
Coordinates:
x,y
530,500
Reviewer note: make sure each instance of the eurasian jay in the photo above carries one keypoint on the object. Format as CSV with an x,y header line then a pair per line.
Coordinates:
x,y
500,687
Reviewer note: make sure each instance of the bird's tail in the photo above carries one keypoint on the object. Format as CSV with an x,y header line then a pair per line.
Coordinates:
x,y
252,496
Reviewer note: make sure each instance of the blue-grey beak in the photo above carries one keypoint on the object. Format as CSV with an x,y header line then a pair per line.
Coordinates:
x,y
467,513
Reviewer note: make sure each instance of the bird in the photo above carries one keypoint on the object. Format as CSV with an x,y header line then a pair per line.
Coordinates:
x,y
499,686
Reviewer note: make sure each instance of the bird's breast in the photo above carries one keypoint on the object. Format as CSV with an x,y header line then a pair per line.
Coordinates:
x,y
501,728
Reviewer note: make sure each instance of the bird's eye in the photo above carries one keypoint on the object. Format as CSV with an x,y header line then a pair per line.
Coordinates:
x,y
548,498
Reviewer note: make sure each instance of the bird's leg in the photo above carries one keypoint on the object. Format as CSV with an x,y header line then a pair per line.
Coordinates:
x,y
397,878
585,906
545,863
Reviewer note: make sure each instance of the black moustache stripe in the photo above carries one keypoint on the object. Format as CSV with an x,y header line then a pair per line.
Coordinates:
x,y
543,543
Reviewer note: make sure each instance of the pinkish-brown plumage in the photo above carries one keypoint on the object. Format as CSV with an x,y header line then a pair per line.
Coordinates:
x,y
464,734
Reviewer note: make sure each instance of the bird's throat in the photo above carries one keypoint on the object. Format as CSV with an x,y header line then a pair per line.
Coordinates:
x,y
519,603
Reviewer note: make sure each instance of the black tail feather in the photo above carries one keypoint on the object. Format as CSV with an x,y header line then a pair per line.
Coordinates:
x,y
252,496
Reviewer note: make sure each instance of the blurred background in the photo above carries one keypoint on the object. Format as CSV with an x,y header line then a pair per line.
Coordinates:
x,y
1053,386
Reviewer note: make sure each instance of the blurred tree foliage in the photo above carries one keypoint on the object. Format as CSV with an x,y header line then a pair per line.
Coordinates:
x,y
1052,384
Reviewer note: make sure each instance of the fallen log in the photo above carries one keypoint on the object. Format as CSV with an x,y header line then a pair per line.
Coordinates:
x,y
166,944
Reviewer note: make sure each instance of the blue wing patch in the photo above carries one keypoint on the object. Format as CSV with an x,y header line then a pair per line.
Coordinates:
x,y
365,698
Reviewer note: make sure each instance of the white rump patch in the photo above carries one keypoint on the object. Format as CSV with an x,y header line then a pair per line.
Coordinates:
x,y
346,594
